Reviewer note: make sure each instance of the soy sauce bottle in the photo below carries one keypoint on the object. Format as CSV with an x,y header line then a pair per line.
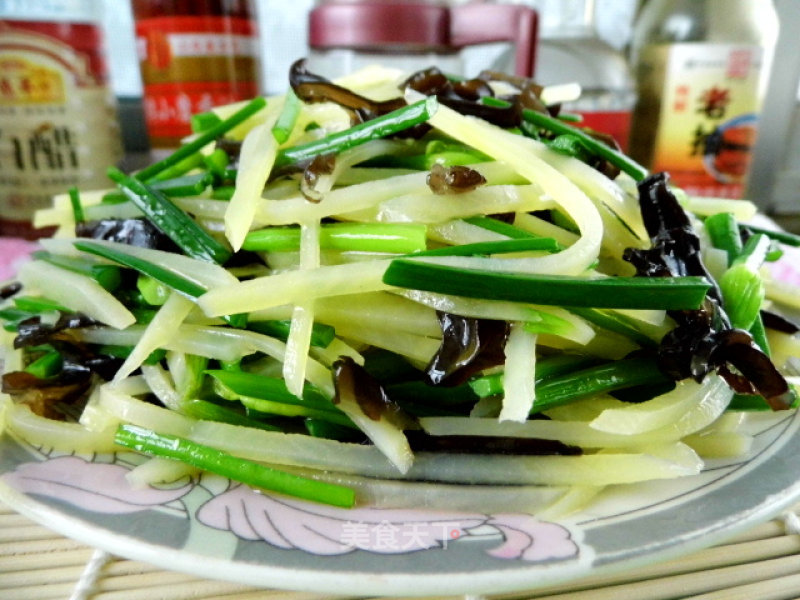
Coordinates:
x,y
701,68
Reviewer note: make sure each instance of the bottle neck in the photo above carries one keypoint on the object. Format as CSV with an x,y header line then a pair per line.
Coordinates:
x,y
565,18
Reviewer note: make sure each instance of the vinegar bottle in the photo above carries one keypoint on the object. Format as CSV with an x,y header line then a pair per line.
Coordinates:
x,y
701,68
58,120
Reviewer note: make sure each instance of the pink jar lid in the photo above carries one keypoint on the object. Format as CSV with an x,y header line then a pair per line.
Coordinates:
x,y
410,26
413,27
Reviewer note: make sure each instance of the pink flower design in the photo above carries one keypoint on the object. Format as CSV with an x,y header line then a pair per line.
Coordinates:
x,y
785,269
528,538
323,530
318,529
96,487
296,524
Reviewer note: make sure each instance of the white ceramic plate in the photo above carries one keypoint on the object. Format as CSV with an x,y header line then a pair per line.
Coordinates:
x,y
213,528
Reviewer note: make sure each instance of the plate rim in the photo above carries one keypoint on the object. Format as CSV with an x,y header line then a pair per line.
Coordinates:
x,y
520,579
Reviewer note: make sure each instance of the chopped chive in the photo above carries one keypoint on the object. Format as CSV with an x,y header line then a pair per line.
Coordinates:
x,y
560,127
321,335
549,323
741,285
668,293
143,315
208,136
169,278
171,220
749,402
618,159
155,357
499,247
217,162
600,379
210,411
288,117
388,124
201,122
784,237
775,252
75,201
447,154
570,117
12,317
253,385
609,322
398,238
570,145
754,252
759,333
723,230
37,304
754,402
112,198
153,291
224,192
422,393
257,407
179,168
108,276
500,227
576,385
325,429
238,469
546,368
185,185
265,395
47,365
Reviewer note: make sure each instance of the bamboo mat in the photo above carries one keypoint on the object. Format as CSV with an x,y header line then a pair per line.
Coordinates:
x,y
37,564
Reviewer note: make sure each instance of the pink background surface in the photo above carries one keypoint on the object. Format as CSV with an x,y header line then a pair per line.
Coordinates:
x,y
12,253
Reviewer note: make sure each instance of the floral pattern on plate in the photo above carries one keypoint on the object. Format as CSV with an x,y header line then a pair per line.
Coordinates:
x,y
289,524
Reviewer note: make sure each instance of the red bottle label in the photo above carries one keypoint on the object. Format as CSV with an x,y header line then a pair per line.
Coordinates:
x,y
190,64
616,123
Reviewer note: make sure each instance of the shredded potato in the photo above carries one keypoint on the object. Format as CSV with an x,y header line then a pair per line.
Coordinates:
x,y
402,295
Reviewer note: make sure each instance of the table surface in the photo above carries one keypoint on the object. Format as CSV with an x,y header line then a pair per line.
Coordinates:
x,y
38,564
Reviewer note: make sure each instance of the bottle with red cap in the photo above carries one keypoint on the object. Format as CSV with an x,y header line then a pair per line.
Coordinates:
x,y
410,35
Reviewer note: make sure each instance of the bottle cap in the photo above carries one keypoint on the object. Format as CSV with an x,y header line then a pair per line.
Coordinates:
x,y
386,26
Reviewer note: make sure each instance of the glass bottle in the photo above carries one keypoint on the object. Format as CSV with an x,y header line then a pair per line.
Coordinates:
x,y
58,120
570,50
193,55
701,68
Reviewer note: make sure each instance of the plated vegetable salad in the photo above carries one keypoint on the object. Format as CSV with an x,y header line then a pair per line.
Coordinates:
x,y
376,289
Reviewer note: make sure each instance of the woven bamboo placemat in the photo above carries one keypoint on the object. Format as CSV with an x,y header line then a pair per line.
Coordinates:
x,y
37,564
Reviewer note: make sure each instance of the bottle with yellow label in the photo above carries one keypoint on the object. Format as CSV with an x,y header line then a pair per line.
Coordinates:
x,y
58,121
701,68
